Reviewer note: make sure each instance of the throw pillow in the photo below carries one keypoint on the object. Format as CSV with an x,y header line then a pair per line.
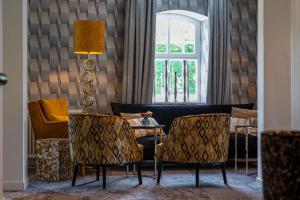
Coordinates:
x,y
243,113
128,116
55,109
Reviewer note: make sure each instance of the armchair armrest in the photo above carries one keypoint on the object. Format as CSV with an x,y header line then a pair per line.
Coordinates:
x,y
55,129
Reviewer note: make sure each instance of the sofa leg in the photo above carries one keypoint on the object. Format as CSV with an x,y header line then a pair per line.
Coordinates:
x,y
224,174
75,170
197,175
104,176
159,174
139,173
97,173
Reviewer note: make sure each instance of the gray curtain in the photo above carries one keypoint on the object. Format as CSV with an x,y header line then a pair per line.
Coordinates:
x,y
219,74
138,71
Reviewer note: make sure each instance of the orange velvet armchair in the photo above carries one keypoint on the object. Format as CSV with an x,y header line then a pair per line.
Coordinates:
x,y
45,128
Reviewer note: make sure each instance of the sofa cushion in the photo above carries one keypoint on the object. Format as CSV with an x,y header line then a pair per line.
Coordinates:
x,y
243,113
55,109
128,116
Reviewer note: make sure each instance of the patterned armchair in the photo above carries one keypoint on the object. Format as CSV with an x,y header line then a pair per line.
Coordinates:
x,y
102,141
196,140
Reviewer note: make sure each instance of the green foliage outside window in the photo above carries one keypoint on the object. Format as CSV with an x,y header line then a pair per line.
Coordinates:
x,y
175,66
174,48
189,48
192,77
159,76
161,48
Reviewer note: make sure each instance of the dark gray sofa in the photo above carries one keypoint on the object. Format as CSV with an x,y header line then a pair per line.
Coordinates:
x,y
166,113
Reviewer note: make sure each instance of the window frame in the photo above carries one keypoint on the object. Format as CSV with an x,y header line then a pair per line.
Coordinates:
x,y
183,56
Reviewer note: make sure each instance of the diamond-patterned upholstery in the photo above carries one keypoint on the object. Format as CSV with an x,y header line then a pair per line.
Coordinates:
x,y
102,140
197,139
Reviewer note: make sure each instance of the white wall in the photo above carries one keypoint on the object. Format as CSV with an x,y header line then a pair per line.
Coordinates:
x,y
277,64
295,64
278,67
1,109
15,94
260,81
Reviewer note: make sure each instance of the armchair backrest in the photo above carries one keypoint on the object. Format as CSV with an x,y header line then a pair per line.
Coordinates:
x,y
101,140
198,139
42,127
36,117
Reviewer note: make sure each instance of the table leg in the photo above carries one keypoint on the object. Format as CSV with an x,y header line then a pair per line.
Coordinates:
x,y
246,147
127,170
235,150
160,134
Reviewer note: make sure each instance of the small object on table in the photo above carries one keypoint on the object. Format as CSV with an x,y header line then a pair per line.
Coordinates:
x,y
154,127
146,116
247,132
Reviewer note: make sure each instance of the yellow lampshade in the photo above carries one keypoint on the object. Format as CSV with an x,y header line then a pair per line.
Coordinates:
x,y
89,37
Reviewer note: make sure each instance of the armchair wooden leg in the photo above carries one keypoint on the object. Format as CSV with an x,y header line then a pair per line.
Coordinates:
x,y
75,170
224,174
197,176
159,173
104,176
97,173
82,170
139,173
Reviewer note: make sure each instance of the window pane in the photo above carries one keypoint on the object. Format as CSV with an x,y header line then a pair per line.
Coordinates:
x,y
192,80
175,48
189,48
176,66
161,48
161,45
160,81
182,40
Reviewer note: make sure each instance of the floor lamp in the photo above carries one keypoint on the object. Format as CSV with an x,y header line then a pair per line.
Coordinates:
x,y
88,39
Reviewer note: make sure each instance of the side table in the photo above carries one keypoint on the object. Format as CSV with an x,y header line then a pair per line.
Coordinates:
x,y
53,160
154,128
247,129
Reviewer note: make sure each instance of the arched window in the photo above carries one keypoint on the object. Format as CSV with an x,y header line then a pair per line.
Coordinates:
x,y
178,57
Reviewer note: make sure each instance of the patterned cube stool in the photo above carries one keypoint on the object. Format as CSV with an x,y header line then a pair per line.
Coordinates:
x,y
280,163
53,160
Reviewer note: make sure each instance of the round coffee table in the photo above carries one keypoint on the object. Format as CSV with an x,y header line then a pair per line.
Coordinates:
x,y
154,128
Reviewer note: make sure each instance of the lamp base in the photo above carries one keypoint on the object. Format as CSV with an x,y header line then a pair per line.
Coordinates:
x,y
87,80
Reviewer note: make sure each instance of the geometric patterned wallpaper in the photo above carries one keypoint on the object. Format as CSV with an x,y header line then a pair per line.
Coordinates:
x,y
53,67
243,50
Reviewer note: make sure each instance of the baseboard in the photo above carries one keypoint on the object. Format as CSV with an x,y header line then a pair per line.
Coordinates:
x,y
15,186
259,179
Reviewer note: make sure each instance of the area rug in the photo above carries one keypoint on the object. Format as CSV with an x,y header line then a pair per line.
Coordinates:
x,y
174,185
